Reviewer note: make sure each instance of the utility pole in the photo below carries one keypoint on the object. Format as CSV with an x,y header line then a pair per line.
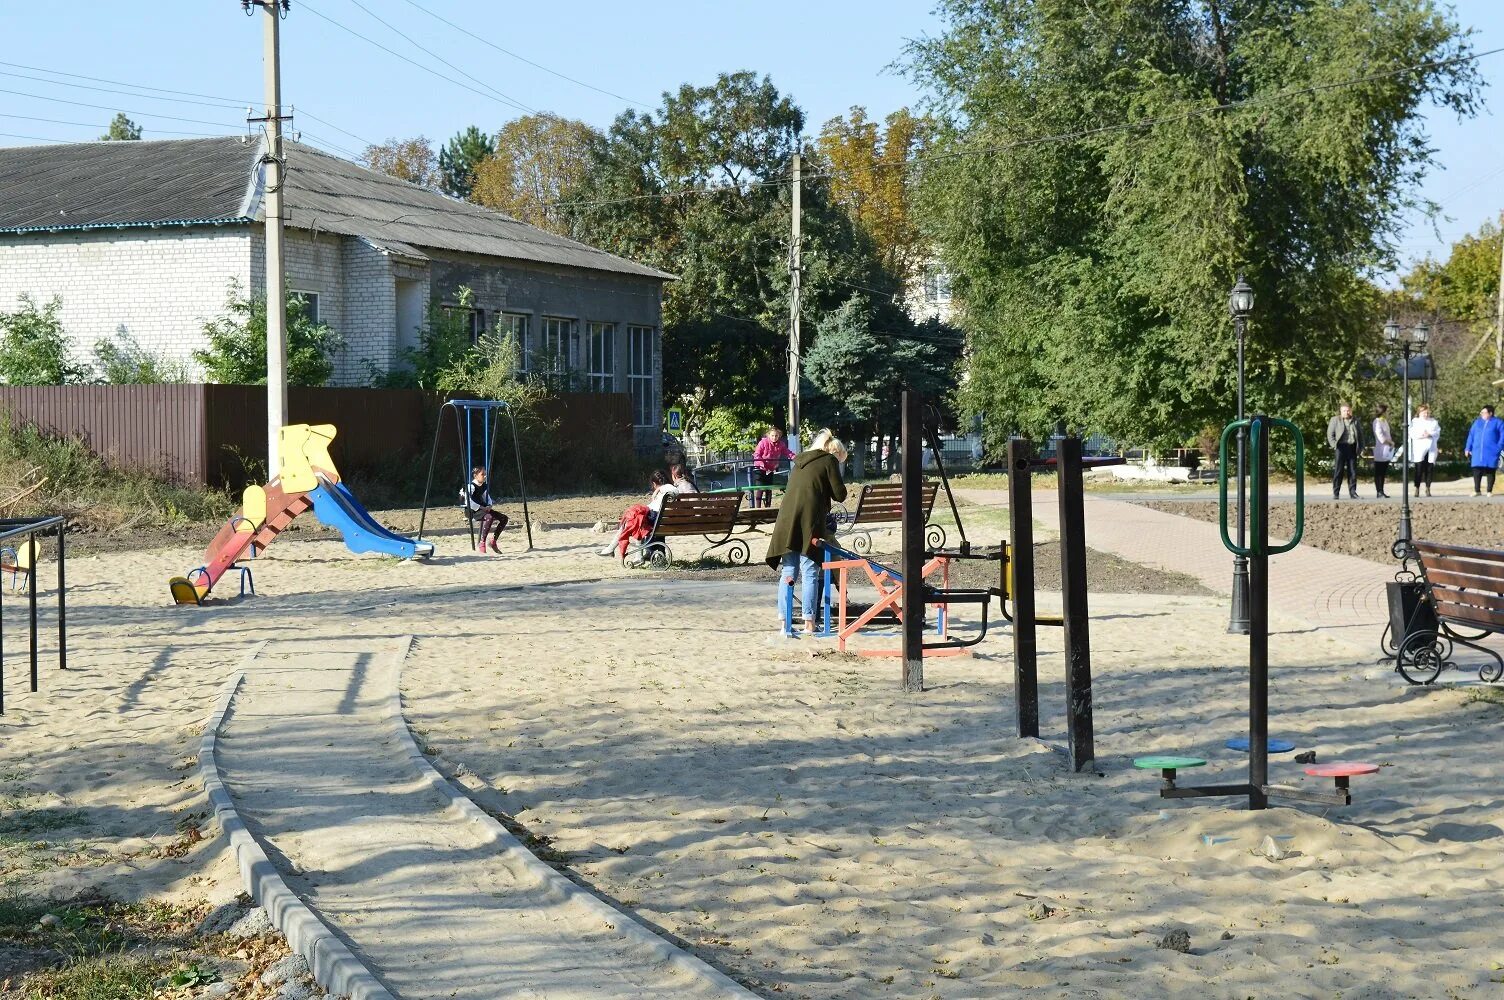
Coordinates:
x,y
796,272
275,167
1499,315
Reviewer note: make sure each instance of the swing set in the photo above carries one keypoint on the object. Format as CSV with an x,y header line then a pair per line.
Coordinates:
x,y
470,437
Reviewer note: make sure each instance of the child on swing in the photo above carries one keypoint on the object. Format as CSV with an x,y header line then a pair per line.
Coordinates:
x,y
478,504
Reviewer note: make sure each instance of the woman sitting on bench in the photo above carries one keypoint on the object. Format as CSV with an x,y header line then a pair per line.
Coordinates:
x,y
638,518
795,548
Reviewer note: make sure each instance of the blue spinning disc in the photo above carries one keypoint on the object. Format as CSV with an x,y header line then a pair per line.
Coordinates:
x,y
1241,744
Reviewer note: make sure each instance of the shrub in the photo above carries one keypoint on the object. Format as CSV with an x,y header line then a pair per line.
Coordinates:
x,y
236,354
123,361
34,350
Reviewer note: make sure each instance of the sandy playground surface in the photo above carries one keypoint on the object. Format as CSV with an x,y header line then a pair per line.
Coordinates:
x,y
784,810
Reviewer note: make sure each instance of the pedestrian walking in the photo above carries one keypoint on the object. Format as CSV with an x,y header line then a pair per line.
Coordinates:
x,y
1425,439
1485,439
1383,448
1345,436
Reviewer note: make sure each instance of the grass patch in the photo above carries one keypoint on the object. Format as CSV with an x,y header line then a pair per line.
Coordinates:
x,y
99,977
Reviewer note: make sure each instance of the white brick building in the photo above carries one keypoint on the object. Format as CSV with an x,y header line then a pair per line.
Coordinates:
x,y
150,238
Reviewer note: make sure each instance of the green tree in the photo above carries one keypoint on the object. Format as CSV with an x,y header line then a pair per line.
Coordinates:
x,y
122,360
236,354
34,348
870,179
537,159
1094,269
411,160
459,158
121,129
699,188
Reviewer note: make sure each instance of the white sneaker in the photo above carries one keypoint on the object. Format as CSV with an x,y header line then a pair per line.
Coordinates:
x,y
609,550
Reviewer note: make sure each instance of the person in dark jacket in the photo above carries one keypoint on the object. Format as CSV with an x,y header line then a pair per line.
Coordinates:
x,y
478,504
1344,434
1485,439
794,548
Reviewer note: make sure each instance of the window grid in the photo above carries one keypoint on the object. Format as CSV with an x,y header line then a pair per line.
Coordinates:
x,y
640,374
553,353
310,302
516,326
600,350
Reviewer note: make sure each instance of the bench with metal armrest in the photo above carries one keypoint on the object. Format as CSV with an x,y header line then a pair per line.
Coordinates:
x,y
881,504
711,515
1465,591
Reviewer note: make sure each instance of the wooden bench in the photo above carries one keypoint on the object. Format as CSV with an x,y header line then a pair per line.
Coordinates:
x,y
712,515
882,504
1465,590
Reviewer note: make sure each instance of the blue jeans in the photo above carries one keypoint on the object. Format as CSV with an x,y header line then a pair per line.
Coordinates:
x,y
807,571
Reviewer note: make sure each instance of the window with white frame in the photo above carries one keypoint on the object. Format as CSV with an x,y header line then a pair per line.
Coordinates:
x,y
937,287
473,321
515,325
640,374
309,301
553,350
600,356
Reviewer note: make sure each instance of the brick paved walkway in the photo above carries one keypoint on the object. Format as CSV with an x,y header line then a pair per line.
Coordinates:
x,y
1337,595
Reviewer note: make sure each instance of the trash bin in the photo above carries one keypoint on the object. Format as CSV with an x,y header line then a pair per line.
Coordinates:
x,y
1409,612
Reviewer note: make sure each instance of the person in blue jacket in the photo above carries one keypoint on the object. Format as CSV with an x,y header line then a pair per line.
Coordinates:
x,y
1484,442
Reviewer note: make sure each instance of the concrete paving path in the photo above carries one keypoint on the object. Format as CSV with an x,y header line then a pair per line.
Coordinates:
x,y
1341,596
434,909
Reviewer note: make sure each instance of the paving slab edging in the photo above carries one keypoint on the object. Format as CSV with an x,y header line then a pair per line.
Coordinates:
x,y
334,966
562,888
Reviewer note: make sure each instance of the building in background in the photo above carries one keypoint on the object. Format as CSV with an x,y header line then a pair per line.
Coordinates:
x,y
151,239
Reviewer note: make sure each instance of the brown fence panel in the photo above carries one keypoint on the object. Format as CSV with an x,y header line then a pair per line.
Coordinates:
x,y
601,417
151,428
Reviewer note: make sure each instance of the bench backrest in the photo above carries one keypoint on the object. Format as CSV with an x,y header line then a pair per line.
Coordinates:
x,y
883,502
1467,585
697,514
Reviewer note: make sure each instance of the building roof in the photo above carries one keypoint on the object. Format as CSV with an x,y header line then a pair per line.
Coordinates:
x,y
183,182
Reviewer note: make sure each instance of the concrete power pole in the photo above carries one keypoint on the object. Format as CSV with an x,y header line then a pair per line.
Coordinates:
x,y
796,273
275,165
1499,315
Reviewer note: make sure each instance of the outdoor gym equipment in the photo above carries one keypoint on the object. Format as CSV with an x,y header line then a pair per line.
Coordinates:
x,y
23,559
1068,466
307,480
1257,789
465,411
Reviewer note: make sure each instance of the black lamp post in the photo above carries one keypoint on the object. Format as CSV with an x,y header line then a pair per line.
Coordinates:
x,y
1408,342
1239,306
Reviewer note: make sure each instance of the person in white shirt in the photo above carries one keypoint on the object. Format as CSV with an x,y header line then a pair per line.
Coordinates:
x,y
637,520
679,476
1425,436
1383,448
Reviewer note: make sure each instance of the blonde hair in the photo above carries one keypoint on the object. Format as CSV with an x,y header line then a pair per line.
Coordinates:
x,y
826,440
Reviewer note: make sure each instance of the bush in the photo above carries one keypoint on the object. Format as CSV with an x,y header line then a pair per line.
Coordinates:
x,y
123,361
734,428
34,350
237,344
443,341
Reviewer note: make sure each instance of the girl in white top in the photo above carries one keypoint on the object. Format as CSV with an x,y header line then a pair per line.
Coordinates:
x,y
1383,448
1425,436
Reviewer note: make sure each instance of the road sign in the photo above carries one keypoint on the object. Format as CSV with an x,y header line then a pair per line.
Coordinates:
x,y
674,420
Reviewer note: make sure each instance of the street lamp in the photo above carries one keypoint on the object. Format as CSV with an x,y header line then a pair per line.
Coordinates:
x,y
1239,306
1407,343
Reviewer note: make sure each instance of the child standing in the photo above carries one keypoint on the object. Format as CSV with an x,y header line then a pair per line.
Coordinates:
x,y
478,504
771,452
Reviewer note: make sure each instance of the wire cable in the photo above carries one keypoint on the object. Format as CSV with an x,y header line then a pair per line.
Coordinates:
x,y
55,121
120,83
522,58
106,107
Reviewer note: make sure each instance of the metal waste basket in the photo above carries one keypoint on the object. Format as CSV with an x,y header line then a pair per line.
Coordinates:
x,y
1409,612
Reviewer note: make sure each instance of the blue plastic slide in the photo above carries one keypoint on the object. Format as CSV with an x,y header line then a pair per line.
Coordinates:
x,y
336,507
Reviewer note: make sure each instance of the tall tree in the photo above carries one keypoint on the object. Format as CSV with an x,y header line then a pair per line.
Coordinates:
x,y
870,175
459,158
537,159
121,129
700,188
411,160
1105,171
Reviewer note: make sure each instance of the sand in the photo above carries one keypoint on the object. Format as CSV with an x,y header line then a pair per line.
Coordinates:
x,y
786,811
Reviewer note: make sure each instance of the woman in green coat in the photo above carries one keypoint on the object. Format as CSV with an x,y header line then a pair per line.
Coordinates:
x,y
814,484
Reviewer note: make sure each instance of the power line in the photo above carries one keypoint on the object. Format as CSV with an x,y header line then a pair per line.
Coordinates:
x,y
127,93
414,62
435,55
120,83
106,107
521,58
55,121
33,138
308,114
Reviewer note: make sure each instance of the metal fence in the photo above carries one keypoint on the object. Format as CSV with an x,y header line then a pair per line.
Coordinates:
x,y
214,435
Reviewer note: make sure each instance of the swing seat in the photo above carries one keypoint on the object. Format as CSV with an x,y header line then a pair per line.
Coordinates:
x,y
1241,744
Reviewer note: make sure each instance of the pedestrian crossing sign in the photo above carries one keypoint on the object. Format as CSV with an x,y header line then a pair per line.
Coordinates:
x,y
674,418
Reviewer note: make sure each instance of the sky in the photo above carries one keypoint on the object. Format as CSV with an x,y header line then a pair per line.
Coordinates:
x,y
827,54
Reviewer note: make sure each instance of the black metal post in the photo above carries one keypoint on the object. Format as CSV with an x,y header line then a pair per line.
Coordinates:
x,y
62,604
527,521
31,600
1021,585
1237,622
433,457
1258,634
1403,543
912,566
1078,707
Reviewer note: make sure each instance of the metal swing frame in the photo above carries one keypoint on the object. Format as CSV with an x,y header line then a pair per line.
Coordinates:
x,y
464,427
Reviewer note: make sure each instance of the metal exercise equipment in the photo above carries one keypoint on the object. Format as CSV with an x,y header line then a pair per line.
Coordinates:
x,y
1257,789
30,529
465,411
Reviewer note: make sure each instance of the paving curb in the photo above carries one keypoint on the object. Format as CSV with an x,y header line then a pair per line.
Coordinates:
x,y
334,966
559,887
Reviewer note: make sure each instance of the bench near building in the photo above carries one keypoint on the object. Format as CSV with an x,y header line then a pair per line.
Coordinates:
x,y
149,238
